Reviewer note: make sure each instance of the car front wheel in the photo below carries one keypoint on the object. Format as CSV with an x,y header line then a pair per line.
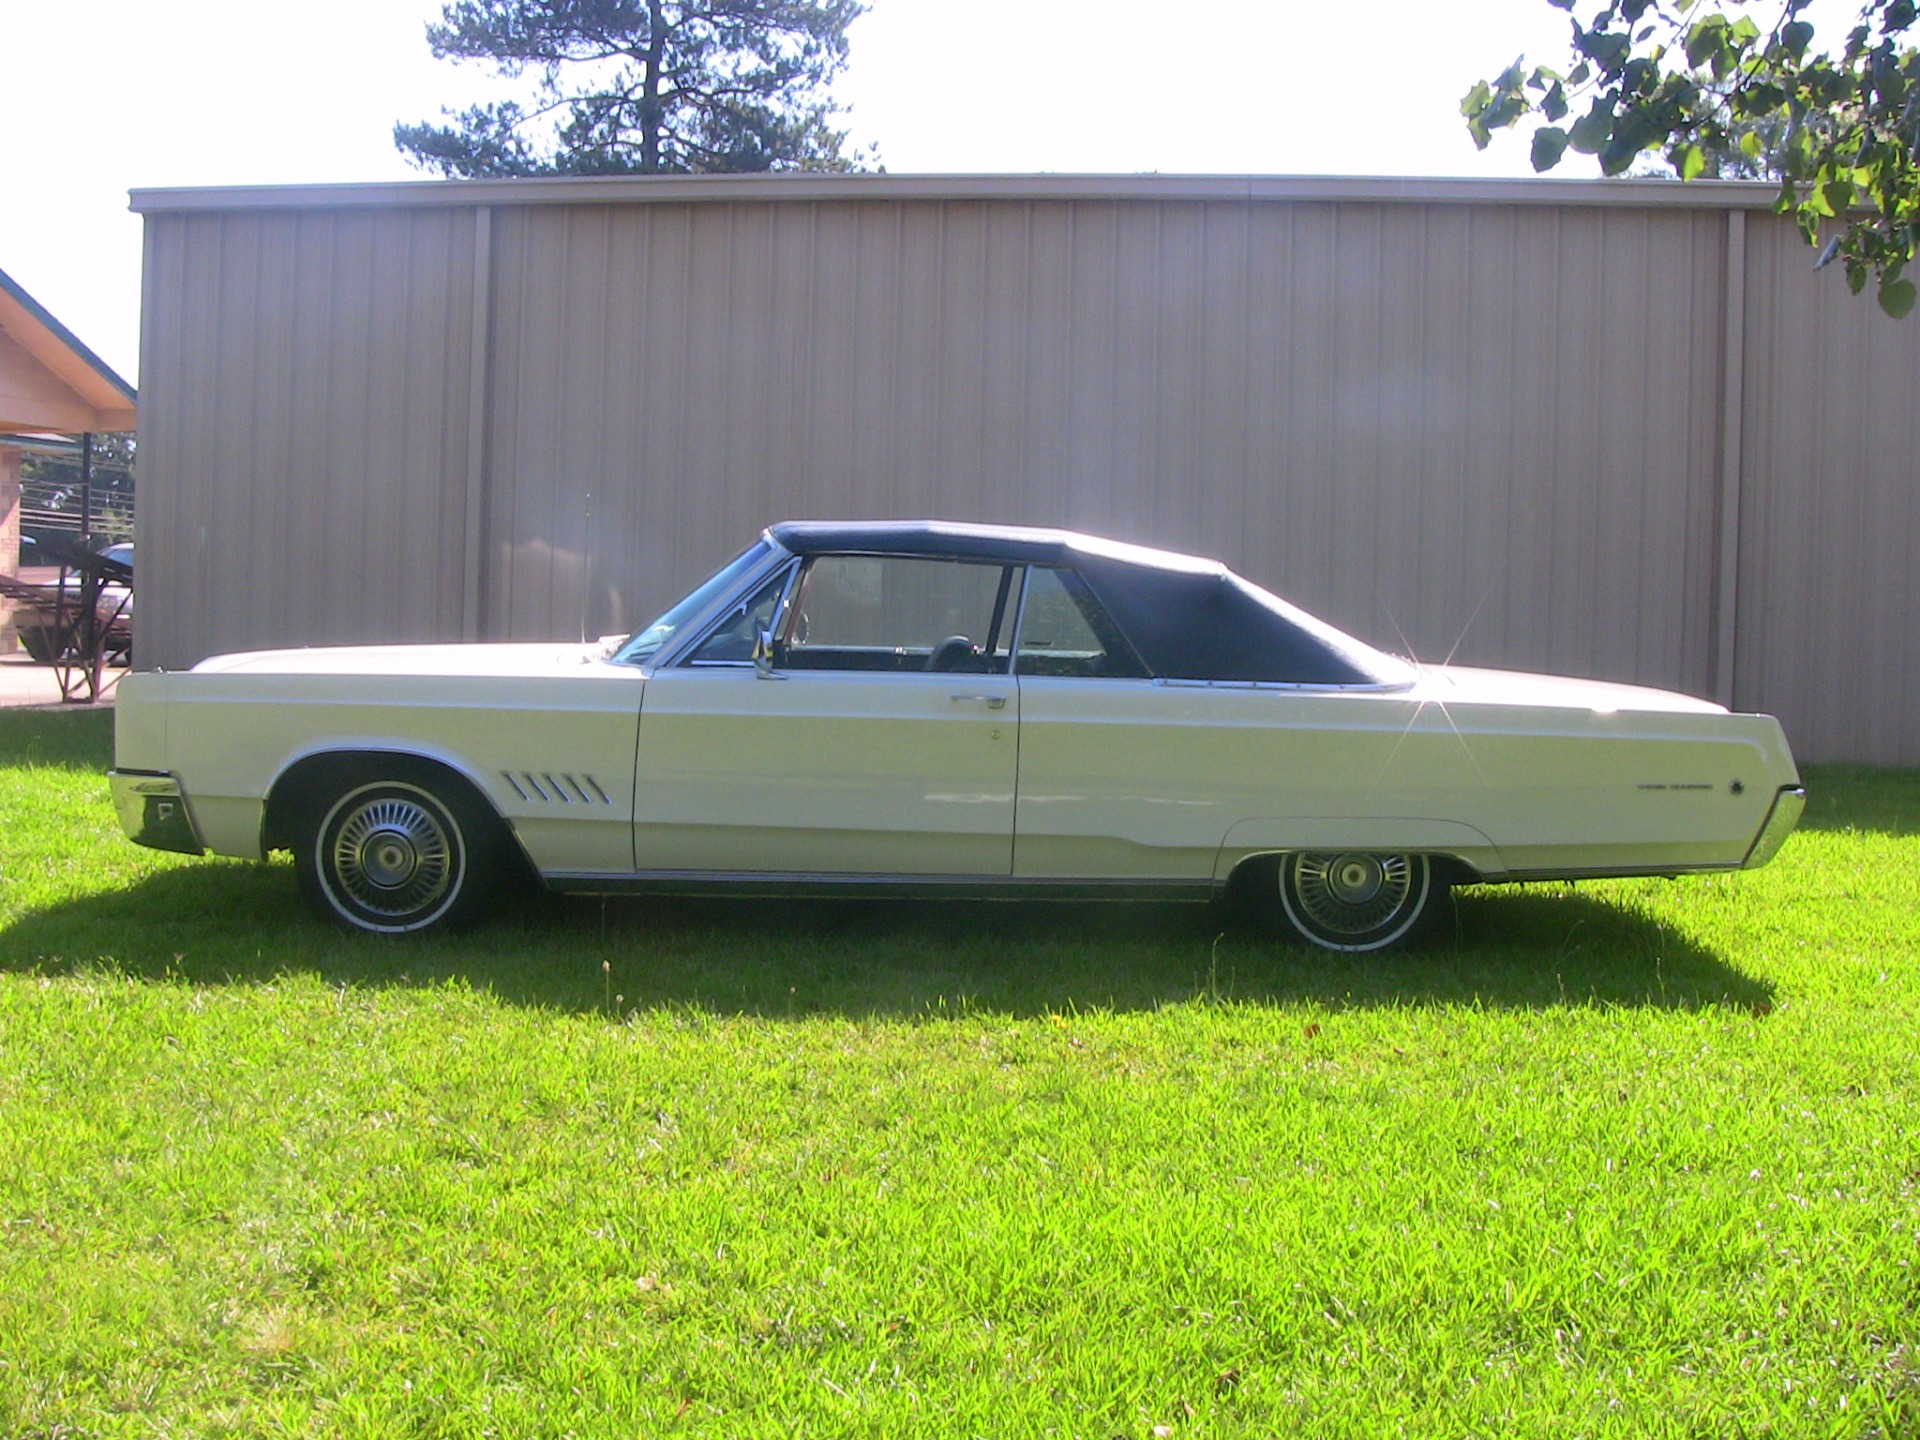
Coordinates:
x,y
1355,901
394,856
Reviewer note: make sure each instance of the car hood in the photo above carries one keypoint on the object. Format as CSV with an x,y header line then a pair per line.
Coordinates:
x,y
1463,684
448,660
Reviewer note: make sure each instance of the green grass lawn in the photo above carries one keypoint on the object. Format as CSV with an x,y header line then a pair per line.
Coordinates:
x,y
1631,1159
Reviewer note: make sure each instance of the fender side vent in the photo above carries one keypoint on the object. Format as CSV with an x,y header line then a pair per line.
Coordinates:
x,y
545,786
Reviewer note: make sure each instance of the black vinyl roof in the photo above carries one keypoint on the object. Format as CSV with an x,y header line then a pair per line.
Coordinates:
x,y
1188,618
1027,544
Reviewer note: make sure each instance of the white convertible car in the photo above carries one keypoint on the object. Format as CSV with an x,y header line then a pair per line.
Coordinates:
x,y
942,709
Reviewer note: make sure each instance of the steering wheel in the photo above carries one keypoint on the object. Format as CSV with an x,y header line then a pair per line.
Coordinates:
x,y
952,653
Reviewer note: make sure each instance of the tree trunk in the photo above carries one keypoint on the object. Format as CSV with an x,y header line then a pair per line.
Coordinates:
x,y
650,89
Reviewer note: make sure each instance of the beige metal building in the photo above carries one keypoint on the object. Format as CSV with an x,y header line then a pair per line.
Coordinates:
x,y
1612,428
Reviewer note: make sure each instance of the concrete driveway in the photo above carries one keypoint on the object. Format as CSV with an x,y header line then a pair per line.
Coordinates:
x,y
26,683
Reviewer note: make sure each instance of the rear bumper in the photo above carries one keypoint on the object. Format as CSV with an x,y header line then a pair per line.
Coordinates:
x,y
153,811
1779,824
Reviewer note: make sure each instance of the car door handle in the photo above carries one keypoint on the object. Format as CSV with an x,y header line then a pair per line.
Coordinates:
x,y
993,702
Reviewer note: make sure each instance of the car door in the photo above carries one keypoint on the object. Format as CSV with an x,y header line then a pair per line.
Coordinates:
x,y
879,736
1108,790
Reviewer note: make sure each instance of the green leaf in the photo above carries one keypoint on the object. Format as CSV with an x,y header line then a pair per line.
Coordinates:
x,y
1897,297
1503,112
1689,161
1549,144
1476,99
1580,74
1795,36
1592,130
1606,49
1839,196
1856,276
1553,104
1705,39
1750,144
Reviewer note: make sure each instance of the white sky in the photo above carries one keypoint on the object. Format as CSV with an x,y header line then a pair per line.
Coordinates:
x,y
114,95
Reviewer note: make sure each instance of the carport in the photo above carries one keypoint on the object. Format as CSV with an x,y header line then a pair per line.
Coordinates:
x,y
55,394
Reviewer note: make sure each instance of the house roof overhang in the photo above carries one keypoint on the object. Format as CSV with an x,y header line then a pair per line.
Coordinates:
x,y
48,379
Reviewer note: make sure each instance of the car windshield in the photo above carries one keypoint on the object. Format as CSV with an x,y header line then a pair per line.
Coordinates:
x,y
646,644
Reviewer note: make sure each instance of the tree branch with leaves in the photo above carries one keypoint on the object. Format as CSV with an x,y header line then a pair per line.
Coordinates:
x,y
1711,89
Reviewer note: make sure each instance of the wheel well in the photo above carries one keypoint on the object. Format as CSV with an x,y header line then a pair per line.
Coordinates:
x,y
1253,871
306,782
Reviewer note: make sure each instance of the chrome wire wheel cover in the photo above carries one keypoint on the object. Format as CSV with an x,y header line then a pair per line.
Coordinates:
x,y
1352,894
392,857
1354,901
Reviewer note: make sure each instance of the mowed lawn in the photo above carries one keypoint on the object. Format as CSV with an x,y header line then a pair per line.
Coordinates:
x,y
1627,1159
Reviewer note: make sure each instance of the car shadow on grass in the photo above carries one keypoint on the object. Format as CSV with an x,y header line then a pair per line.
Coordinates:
x,y
230,923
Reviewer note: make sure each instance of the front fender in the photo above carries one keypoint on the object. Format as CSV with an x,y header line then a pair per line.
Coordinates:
x,y
347,749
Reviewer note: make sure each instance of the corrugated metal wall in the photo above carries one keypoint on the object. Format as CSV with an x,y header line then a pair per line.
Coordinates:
x,y
301,468
1829,634
1492,430
1403,417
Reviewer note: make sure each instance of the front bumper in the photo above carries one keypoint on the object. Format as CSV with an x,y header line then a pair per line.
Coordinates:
x,y
153,811
1781,819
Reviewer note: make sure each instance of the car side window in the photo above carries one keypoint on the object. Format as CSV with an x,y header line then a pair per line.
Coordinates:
x,y
732,642
1065,631
900,613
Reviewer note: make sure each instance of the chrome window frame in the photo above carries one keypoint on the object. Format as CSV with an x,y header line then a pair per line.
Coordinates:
x,y
671,655
711,627
1020,632
677,653
694,634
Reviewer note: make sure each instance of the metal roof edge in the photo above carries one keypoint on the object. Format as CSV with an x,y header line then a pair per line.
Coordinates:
x,y
765,188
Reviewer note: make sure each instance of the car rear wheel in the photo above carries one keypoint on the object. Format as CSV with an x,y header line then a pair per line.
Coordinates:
x,y
396,856
1353,900
40,643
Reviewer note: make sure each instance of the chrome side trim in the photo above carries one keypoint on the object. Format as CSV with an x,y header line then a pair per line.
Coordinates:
x,y
1604,872
1785,814
800,884
153,811
564,789
1365,687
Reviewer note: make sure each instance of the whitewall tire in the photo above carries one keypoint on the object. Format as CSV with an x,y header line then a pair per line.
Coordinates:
x,y
1354,900
396,856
